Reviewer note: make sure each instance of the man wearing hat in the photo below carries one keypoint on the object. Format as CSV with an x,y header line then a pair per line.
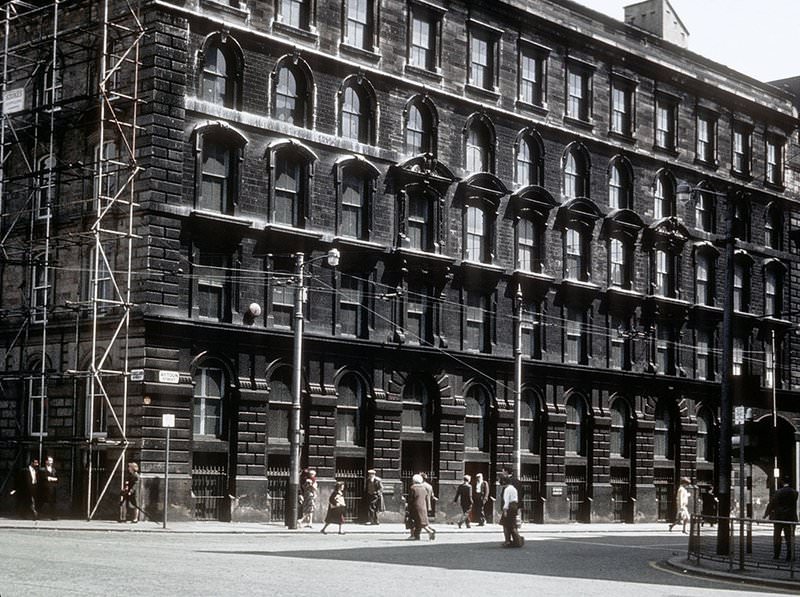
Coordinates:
x,y
782,508
682,503
373,489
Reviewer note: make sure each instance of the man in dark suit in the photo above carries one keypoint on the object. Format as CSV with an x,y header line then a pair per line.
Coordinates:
x,y
783,509
48,482
26,490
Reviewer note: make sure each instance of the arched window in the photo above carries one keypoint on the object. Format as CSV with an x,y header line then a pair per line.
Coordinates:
x,y
48,86
663,196
416,406
419,128
209,394
529,421
219,149
280,406
575,433
291,93
620,417
741,283
619,185
774,272
773,228
476,427
356,112
705,436
350,401
292,172
704,212
663,435
741,221
479,142
218,81
575,174
528,169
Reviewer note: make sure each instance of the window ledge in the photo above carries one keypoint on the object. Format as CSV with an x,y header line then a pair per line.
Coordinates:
x,y
357,242
710,309
240,12
540,109
492,94
581,284
444,259
670,151
373,55
432,75
290,230
669,300
219,218
624,137
533,275
745,176
309,35
580,123
624,292
488,267
713,165
775,186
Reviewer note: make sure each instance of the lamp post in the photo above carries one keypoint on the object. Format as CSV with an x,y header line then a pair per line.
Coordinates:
x,y
684,192
518,384
296,433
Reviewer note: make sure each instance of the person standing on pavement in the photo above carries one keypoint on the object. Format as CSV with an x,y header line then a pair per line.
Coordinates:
x,y
480,496
418,506
26,490
129,512
48,483
682,503
336,508
464,499
510,506
309,495
373,489
782,508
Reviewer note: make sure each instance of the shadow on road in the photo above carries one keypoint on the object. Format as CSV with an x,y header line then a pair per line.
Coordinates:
x,y
619,559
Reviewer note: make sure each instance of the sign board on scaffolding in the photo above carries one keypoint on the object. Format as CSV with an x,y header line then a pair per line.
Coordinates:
x,y
14,100
169,377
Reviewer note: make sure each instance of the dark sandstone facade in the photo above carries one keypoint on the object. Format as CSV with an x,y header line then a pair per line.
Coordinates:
x,y
469,163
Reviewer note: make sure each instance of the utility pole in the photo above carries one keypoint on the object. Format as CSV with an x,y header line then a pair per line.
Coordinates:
x,y
297,379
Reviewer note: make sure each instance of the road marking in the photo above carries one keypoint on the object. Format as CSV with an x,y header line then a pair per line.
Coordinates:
x,y
712,579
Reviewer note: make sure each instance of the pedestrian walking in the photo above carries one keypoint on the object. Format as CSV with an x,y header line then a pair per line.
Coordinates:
x,y
509,499
782,508
309,504
708,506
373,489
26,490
480,495
464,499
682,503
418,506
431,497
129,507
336,508
48,484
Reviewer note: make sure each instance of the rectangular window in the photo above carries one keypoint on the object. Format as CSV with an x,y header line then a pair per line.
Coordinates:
x,y
622,108
295,13
37,407
351,307
531,332
287,192
664,351
354,191
578,93
359,24
702,289
738,356
40,292
616,353
617,263
772,299
702,354
527,258
278,424
741,149
418,208
769,365
774,174
706,138
574,258
422,49
666,110
207,413
477,320
704,212
282,299
476,234
663,286
532,75
738,288
212,280
418,318
45,191
481,53
574,346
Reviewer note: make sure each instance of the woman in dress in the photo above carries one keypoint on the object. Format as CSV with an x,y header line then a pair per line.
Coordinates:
x,y
336,506
309,503
418,506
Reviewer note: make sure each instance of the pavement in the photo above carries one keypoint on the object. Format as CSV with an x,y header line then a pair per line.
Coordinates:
x,y
761,577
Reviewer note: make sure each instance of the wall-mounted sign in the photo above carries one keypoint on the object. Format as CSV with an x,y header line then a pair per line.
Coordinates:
x,y
168,420
169,377
14,100
558,491
137,374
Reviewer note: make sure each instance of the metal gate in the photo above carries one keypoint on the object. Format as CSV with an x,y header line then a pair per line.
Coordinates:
x,y
209,492
277,487
353,480
620,494
529,482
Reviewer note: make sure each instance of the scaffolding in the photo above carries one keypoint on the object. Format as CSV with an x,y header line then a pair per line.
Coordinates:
x,y
70,76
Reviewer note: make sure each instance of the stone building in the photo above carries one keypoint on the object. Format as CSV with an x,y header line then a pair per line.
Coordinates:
x,y
483,168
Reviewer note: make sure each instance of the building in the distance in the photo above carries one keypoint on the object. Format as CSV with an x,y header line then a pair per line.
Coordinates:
x,y
482,167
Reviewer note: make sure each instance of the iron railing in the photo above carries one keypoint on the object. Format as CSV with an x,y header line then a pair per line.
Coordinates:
x,y
209,492
277,488
751,543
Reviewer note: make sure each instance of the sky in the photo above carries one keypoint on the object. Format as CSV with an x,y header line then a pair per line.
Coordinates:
x,y
760,39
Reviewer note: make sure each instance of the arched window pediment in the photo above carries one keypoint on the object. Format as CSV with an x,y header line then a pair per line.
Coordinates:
x,y
775,264
227,43
533,198
742,256
484,187
668,232
356,161
223,130
580,210
707,248
422,169
293,145
622,221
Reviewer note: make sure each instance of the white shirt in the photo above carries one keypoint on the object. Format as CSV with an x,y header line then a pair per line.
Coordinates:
x,y
509,495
